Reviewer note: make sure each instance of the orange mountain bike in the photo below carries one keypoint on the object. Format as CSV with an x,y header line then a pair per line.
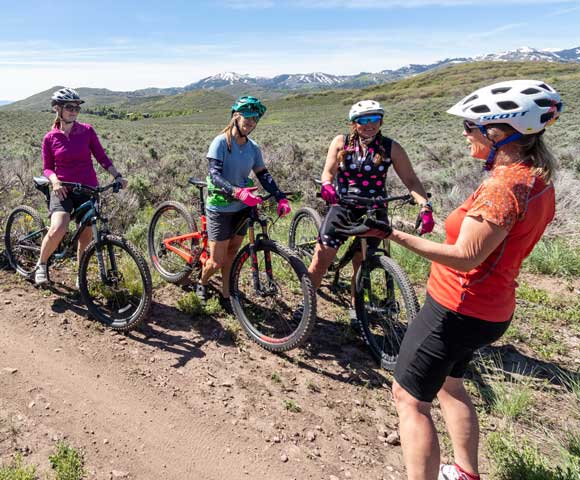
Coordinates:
x,y
268,281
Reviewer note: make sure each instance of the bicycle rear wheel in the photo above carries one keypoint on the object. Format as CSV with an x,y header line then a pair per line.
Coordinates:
x,y
303,232
120,300
385,304
23,238
170,219
275,303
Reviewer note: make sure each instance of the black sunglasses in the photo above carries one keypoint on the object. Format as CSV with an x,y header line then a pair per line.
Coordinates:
x,y
70,107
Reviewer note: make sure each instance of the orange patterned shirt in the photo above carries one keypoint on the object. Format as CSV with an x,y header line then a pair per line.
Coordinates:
x,y
516,200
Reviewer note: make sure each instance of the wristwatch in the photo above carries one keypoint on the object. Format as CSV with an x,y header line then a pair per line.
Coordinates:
x,y
428,205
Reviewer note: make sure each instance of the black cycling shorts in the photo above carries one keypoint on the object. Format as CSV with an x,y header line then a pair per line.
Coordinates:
x,y
327,235
438,344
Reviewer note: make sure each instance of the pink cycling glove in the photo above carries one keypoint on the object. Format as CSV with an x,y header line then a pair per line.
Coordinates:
x,y
328,193
283,207
246,195
427,222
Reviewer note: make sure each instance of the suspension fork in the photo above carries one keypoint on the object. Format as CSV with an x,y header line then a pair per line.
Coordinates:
x,y
364,266
97,235
254,257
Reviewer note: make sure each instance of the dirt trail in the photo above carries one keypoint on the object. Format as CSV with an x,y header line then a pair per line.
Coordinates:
x,y
179,399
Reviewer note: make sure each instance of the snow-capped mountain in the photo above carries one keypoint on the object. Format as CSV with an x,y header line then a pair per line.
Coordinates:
x,y
236,84
527,54
320,80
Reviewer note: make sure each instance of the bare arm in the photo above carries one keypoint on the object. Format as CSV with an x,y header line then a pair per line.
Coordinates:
x,y
331,164
477,239
405,171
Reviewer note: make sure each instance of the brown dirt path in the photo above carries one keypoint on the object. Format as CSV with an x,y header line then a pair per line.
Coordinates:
x,y
178,399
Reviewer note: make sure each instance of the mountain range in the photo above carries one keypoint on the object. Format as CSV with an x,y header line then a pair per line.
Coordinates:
x,y
233,84
324,80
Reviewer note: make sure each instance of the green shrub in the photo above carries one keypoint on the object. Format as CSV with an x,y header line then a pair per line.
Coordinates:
x,y
67,462
16,471
554,257
516,459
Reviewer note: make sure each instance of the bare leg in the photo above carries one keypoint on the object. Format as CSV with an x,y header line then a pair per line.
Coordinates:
x,y
461,421
58,227
217,254
321,260
356,263
232,249
85,238
418,435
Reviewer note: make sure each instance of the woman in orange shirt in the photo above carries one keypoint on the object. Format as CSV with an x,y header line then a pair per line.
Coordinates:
x,y
471,288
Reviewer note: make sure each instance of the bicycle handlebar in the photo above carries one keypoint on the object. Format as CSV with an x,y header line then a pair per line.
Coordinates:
x,y
115,186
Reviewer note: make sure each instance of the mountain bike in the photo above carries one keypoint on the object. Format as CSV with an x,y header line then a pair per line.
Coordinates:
x,y
385,301
113,277
268,281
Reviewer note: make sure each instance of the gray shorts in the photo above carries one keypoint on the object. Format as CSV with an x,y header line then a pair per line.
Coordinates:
x,y
224,225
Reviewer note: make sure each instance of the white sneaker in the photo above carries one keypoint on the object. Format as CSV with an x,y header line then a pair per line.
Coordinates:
x,y
450,472
41,274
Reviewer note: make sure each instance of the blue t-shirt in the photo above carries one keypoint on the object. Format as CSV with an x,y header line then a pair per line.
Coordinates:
x,y
237,165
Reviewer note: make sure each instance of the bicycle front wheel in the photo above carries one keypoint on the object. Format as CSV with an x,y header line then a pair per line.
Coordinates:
x,y
170,219
303,232
23,238
385,304
272,296
115,283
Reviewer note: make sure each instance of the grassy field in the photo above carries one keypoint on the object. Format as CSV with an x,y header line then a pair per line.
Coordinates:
x,y
158,155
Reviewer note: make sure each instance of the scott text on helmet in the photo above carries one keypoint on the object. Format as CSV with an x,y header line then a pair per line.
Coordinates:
x,y
503,115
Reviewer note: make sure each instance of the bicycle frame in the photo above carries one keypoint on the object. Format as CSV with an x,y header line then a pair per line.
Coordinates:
x,y
177,244
90,211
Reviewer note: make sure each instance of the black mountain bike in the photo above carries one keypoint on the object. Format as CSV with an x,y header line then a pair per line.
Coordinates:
x,y
385,301
114,279
268,281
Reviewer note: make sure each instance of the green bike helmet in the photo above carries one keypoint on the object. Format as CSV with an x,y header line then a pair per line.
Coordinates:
x,y
249,104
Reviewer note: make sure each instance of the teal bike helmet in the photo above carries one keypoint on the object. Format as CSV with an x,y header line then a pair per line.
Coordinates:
x,y
249,104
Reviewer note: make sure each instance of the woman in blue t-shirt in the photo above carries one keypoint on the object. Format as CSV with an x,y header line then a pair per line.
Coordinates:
x,y
232,156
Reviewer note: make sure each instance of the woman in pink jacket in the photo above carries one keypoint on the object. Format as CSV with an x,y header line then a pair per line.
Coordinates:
x,y
66,156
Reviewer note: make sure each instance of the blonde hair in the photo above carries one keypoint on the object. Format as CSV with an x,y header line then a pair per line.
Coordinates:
x,y
228,132
534,151
56,123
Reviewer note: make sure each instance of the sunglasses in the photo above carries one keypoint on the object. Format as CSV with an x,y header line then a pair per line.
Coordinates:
x,y
468,125
368,119
69,107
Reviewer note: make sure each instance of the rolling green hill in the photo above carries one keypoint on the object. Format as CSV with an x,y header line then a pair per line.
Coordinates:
x,y
450,82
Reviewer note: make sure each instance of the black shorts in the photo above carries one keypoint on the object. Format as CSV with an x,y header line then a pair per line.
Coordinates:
x,y
328,236
69,204
440,343
224,225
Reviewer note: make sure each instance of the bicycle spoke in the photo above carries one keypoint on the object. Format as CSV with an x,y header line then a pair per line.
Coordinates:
x,y
23,238
270,311
386,305
119,295
171,219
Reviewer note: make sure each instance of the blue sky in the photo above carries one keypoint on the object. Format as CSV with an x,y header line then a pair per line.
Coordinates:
x,y
126,45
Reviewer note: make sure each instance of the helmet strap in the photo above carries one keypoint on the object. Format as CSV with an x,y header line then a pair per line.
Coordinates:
x,y
495,147
238,130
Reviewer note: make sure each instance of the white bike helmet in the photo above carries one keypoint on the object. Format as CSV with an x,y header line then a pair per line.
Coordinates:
x,y
528,106
365,107
66,95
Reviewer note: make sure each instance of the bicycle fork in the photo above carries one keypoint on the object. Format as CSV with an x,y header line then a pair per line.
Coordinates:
x,y
262,290
111,276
